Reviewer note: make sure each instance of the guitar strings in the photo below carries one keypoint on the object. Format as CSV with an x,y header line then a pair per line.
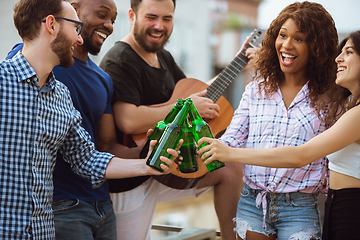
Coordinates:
x,y
227,74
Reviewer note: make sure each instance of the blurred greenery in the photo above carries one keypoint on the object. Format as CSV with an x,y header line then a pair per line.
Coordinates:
x,y
233,21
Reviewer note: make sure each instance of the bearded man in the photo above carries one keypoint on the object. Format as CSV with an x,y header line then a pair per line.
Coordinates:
x,y
144,74
40,127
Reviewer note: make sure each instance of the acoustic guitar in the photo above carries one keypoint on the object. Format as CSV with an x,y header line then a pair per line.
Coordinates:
x,y
188,86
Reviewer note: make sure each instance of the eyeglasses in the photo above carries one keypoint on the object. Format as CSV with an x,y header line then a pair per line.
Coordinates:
x,y
78,28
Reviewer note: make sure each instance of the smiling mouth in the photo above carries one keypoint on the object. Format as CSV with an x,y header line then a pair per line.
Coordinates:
x,y
155,36
340,69
287,58
103,35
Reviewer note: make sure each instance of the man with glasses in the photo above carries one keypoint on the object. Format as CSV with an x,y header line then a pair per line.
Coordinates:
x,y
38,120
79,24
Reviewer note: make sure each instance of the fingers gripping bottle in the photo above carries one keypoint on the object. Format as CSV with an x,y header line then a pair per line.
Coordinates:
x,y
160,126
201,129
169,139
188,150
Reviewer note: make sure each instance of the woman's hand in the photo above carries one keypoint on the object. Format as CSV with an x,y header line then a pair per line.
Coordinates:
x,y
215,150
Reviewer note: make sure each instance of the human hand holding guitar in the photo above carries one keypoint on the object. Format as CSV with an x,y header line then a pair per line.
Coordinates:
x,y
250,53
205,106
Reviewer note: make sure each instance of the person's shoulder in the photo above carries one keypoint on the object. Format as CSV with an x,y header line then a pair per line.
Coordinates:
x,y
252,85
100,73
166,54
60,86
91,64
120,53
65,73
127,52
6,64
16,66
61,90
253,91
121,48
13,61
6,69
354,112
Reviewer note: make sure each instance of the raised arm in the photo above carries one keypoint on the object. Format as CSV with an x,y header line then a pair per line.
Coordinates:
x,y
344,132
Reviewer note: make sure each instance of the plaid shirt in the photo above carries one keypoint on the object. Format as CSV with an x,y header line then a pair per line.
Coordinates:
x,y
261,122
34,124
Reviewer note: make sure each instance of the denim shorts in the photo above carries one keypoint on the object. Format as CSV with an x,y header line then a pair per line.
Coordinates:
x,y
289,215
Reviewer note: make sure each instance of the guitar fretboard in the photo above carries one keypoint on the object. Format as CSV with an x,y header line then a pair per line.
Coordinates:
x,y
217,87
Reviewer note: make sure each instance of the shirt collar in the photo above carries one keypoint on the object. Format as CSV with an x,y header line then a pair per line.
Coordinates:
x,y
300,96
25,71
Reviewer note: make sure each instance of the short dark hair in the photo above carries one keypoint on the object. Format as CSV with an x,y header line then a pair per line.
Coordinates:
x,y
28,15
134,4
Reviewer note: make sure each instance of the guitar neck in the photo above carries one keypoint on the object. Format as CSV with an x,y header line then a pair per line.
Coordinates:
x,y
222,81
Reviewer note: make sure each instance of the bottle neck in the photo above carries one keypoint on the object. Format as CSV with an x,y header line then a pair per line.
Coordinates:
x,y
182,115
193,113
174,111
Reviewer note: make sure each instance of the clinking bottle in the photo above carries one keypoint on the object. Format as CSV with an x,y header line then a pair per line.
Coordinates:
x,y
188,150
169,139
160,126
201,129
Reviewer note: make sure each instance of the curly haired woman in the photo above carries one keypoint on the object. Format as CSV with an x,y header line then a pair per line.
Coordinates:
x,y
341,144
284,105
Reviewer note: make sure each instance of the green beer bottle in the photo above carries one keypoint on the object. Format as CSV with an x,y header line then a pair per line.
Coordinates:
x,y
188,150
169,139
201,129
160,126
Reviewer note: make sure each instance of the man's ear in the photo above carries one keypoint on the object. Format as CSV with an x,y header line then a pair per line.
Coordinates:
x,y
131,15
50,23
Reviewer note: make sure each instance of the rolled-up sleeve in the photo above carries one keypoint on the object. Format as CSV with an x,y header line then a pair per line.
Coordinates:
x,y
79,151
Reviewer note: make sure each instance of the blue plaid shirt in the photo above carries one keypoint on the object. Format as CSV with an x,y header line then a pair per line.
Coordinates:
x,y
34,124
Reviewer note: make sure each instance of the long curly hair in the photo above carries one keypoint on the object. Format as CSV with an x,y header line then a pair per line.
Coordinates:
x,y
322,38
342,100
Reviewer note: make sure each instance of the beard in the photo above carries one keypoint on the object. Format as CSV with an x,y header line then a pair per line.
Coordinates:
x,y
88,45
61,47
150,47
